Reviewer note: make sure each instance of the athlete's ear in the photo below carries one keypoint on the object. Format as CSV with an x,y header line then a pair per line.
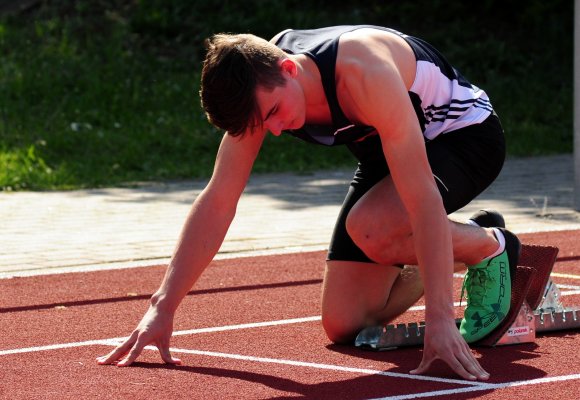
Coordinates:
x,y
289,66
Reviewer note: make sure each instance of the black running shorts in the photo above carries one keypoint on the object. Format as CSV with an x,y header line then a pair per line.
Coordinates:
x,y
465,162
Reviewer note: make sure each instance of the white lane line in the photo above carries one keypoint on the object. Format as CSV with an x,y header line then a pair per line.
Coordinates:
x,y
104,342
446,392
568,276
565,286
222,328
115,341
331,367
491,386
248,326
422,308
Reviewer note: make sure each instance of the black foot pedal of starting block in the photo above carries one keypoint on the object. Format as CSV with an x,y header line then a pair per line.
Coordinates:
x,y
542,259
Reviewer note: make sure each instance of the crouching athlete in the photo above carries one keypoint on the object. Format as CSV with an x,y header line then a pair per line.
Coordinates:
x,y
427,142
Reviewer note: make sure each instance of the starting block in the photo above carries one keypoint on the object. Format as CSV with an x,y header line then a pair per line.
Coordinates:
x,y
535,308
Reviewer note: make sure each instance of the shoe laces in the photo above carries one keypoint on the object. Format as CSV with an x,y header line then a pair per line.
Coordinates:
x,y
476,283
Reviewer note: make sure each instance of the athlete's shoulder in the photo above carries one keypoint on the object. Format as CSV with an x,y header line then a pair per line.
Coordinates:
x,y
279,35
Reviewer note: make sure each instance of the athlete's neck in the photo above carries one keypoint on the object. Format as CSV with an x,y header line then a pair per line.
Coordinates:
x,y
317,110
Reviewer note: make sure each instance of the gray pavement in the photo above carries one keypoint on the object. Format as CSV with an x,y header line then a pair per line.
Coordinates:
x,y
46,232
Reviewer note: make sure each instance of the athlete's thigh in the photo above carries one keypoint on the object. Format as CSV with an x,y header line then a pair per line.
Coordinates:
x,y
464,163
458,179
380,210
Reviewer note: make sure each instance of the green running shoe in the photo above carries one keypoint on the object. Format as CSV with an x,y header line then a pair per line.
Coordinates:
x,y
489,288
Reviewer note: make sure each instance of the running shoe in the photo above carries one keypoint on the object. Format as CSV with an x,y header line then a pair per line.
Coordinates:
x,y
488,286
488,219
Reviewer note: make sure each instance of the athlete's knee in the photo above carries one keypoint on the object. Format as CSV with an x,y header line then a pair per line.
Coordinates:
x,y
339,329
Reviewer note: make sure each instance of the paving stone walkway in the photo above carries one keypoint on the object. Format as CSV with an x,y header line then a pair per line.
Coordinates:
x,y
42,232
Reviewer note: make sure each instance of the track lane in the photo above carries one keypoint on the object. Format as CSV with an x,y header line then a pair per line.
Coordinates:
x,y
72,308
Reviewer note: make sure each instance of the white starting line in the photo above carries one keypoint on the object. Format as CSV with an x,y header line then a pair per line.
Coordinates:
x,y
490,386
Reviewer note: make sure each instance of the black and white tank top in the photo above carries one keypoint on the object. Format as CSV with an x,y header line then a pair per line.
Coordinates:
x,y
442,98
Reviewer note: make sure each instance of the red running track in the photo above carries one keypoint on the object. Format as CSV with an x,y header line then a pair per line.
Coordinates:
x,y
249,330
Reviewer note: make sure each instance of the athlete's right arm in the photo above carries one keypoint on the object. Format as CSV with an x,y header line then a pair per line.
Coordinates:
x,y
202,235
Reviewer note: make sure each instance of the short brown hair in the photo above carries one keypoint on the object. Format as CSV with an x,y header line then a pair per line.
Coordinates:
x,y
233,68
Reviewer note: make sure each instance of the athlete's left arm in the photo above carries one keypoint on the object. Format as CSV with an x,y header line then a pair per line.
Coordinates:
x,y
379,98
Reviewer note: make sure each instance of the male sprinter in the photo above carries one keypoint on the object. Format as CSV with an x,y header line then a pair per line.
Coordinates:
x,y
427,142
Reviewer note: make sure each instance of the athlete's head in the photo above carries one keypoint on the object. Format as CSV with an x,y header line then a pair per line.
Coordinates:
x,y
235,65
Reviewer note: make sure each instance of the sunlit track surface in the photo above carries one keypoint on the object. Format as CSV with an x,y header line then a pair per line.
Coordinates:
x,y
250,329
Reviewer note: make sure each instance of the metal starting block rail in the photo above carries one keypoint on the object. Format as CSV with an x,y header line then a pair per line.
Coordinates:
x,y
549,316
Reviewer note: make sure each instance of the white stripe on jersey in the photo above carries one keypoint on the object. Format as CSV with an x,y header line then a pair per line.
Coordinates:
x,y
447,105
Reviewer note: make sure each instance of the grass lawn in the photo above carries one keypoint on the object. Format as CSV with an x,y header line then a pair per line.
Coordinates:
x,y
103,92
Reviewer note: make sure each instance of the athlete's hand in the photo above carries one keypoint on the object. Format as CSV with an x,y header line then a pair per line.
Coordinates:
x,y
156,328
443,341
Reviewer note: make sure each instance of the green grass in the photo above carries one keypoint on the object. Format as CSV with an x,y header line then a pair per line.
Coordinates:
x,y
103,92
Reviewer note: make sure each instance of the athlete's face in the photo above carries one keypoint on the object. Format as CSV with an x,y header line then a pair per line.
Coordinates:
x,y
282,108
